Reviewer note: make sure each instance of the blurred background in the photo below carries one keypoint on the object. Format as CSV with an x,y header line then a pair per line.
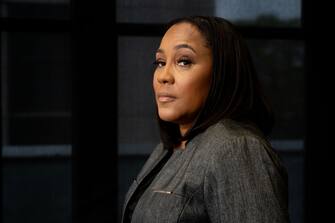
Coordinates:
x,y
77,107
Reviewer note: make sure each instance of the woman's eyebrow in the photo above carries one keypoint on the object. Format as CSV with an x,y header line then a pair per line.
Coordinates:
x,y
184,46
159,50
179,46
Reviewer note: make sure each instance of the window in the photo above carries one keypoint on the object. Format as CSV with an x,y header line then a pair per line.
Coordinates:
x,y
36,111
272,30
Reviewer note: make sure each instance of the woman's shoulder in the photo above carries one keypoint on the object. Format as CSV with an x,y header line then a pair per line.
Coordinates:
x,y
229,138
228,130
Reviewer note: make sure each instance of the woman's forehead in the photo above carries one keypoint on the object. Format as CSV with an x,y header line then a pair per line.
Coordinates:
x,y
182,33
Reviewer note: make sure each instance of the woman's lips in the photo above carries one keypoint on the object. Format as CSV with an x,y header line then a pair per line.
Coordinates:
x,y
165,97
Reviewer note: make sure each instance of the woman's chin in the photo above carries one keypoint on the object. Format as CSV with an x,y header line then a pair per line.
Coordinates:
x,y
168,116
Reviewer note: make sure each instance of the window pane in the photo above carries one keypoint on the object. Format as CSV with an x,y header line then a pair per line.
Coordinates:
x,y
36,191
249,12
280,67
51,9
294,163
37,87
136,111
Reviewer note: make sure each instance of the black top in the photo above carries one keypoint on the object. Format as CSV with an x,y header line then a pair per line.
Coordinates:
x,y
143,186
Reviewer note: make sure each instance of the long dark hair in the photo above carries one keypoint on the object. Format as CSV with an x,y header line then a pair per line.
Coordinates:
x,y
235,90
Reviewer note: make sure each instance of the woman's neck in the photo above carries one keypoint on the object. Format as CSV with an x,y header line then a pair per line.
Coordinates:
x,y
184,128
182,144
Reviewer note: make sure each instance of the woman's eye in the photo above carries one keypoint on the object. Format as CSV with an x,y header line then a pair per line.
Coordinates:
x,y
159,63
184,62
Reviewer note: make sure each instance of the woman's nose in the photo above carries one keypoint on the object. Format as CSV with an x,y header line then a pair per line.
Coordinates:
x,y
165,75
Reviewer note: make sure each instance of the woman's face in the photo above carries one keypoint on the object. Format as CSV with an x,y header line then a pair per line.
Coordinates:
x,y
182,77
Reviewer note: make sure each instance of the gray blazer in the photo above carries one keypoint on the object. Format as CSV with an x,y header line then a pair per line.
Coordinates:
x,y
229,173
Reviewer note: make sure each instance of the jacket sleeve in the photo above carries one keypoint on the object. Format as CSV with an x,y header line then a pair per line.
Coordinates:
x,y
245,183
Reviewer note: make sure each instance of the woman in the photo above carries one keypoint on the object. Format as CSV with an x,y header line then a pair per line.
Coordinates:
x,y
214,163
